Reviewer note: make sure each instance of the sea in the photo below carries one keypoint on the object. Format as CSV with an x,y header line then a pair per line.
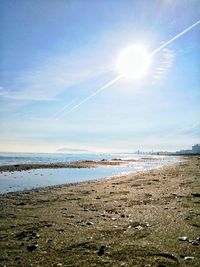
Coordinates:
x,y
39,178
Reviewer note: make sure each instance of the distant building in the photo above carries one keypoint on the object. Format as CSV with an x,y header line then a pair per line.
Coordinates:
x,y
196,149
184,151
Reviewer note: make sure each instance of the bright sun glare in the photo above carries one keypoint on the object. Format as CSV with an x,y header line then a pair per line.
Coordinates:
x,y
133,62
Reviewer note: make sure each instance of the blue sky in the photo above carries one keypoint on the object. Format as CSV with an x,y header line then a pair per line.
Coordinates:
x,y
54,54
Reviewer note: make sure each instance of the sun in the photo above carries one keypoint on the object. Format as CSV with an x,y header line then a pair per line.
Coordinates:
x,y
133,62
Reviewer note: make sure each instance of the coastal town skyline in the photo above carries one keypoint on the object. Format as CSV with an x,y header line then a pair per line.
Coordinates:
x,y
56,54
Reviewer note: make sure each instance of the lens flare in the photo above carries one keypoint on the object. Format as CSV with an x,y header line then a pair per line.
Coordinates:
x,y
133,62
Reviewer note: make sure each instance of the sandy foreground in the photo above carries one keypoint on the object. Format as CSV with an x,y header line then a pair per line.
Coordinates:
x,y
144,219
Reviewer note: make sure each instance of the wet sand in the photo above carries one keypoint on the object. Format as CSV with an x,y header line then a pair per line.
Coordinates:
x,y
144,219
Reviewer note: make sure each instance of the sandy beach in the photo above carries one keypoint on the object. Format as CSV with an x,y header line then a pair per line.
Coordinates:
x,y
144,219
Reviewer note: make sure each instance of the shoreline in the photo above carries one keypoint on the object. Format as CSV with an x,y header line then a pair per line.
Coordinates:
x,y
131,220
74,164
54,177
52,187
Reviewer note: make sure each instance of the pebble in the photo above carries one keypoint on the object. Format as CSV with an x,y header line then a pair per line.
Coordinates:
x,y
31,247
195,194
188,258
139,227
89,223
194,242
183,238
101,251
60,231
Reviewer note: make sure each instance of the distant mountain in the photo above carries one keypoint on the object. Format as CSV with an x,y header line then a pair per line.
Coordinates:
x,y
71,150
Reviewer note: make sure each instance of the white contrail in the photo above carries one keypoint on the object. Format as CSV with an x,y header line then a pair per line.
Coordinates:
x,y
174,38
119,77
95,93
56,115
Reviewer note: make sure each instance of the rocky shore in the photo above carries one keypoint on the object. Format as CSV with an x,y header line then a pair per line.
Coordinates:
x,y
144,219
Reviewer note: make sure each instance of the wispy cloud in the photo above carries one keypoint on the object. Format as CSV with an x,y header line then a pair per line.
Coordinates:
x,y
166,62
57,74
191,129
2,91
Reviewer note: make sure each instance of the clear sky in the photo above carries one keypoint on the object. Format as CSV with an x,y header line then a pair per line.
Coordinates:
x,y
54,54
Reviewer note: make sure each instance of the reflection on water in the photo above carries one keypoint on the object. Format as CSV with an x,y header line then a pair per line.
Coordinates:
x,y
30,158
17,181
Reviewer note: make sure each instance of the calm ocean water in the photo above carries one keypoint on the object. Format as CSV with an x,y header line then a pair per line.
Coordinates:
x,y
17,181
17,158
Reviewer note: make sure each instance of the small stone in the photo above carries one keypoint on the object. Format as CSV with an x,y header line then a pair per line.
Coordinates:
x,y
31,247
178,200
195,194
183,238
139,227
22,204
188,258
195,243
60,231
101,251
89,223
